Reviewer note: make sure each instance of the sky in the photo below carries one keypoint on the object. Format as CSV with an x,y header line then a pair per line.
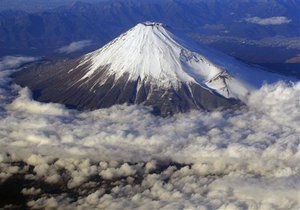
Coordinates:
x,y
123,157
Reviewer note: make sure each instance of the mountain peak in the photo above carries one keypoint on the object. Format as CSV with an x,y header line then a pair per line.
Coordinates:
x,y
150,52
149,23
146,28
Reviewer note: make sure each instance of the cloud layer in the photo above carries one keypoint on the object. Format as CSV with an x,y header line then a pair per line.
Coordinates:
x,y
124,157
75,46
268,21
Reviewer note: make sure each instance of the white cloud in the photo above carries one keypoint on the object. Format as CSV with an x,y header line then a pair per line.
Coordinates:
x,y
30,191
75,46
8,62
124,157
124,170
268,21
25,103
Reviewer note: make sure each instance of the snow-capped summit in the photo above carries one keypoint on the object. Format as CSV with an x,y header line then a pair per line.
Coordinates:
x,y
147,65
152,54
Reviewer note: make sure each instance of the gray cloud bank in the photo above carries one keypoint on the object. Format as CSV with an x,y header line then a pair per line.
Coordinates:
x,y
268,21
75,46
125,158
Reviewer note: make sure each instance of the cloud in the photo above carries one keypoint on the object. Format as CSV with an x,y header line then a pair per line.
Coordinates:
x,y
8,62
124,157
167,187
75,46
25,103
268,21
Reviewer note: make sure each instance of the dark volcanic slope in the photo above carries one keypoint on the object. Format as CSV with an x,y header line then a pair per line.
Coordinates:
x,y
51,83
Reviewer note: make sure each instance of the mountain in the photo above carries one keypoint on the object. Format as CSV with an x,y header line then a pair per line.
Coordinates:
x,y
100,22
146,65
37,5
